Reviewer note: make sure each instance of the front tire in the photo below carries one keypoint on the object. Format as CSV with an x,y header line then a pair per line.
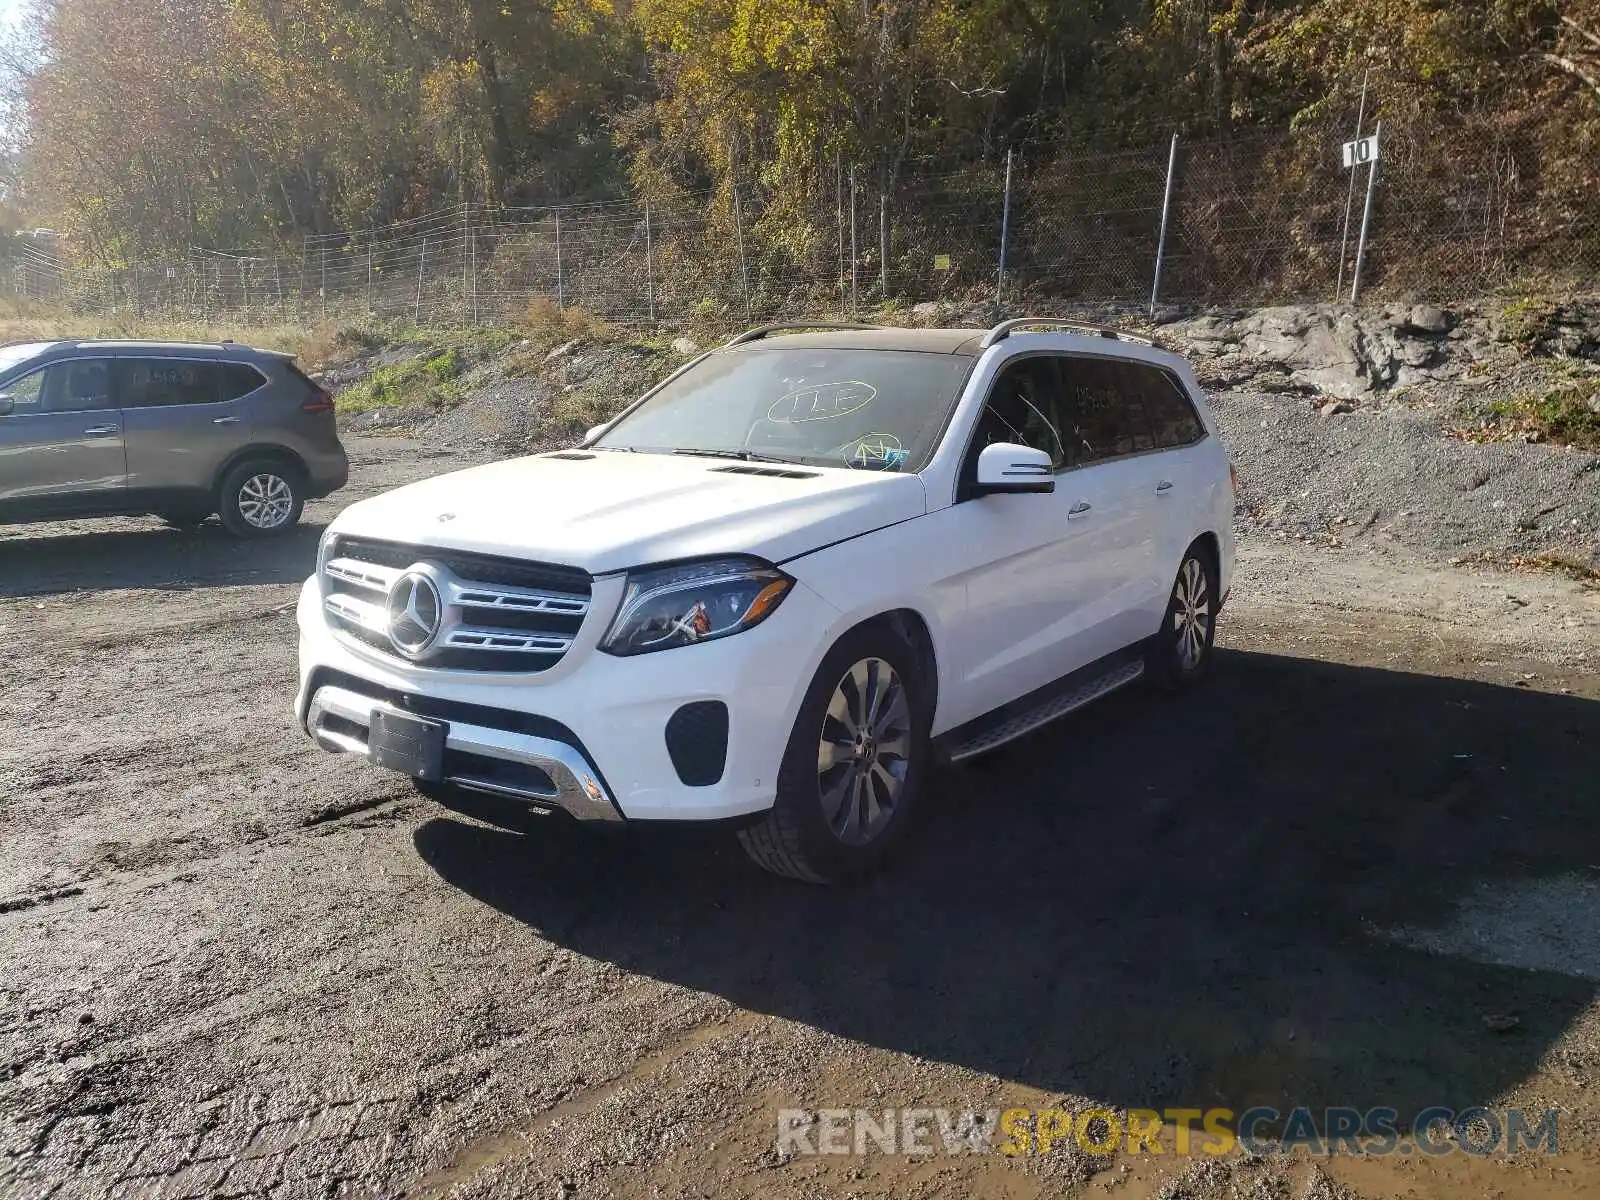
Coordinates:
x,y
854,765
1180,655
261,498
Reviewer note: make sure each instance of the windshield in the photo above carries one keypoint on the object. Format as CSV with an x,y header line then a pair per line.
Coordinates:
x,y
876,410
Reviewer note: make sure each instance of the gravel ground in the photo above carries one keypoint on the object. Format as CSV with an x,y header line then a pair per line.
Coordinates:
x,y
1391,476
231,965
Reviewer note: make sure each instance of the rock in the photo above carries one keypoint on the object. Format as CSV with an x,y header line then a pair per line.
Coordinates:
x,y
1425,318
562,350
684,346
1334,408
925,313
1500,1022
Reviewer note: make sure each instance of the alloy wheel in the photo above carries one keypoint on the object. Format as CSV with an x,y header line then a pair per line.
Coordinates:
x,y
266,500
1191,613
864,753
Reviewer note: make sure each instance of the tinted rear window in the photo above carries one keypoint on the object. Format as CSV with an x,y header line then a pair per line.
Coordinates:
x,y
163,382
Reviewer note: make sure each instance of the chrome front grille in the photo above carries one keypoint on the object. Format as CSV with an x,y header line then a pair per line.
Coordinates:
x,y
453,609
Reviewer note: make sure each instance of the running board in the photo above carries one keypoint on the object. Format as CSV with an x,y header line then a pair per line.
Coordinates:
x,y
1058,705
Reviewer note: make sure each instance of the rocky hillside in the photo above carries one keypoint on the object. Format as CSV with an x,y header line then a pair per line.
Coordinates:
x,y
1466,434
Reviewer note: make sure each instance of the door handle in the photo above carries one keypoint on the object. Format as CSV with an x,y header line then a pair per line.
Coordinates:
x,y
100,431
1080,509
225,421
1163,487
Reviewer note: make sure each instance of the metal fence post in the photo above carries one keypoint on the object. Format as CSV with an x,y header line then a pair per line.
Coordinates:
x,y
883,244
561,286
422,261
649,264
855,303
1005,230
1366,211
838,204
1350,194
738,233
369,280
472,244
1161,239
466,236
324,288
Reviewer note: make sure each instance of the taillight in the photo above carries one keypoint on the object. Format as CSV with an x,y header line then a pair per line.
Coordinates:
x,y
320,400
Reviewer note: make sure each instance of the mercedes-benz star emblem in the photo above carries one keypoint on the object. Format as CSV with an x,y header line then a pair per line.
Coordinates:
x,y
415,613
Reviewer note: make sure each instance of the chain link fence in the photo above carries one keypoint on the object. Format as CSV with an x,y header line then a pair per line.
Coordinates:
x,y
1258,219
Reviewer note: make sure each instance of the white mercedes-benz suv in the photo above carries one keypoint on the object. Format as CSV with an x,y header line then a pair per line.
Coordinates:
x,y
784,585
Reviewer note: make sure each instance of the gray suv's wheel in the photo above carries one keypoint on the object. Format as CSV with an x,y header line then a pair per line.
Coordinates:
x,y
854,765
260,498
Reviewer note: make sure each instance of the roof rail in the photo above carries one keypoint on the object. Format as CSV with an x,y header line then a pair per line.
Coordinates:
x,y
761,331
1006,328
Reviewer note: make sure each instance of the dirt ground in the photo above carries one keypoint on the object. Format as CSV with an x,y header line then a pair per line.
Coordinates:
x,y
1361,867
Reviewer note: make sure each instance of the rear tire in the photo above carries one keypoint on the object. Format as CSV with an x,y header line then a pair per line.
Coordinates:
x,y
1180,654
261,497
854,766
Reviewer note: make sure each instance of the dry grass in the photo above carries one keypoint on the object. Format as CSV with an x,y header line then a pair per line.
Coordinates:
x,y
548,324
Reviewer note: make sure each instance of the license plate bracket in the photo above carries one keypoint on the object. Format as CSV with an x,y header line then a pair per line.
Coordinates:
x,y
411,745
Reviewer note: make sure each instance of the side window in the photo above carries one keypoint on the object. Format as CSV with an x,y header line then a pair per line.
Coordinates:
x,y
27,393
77,385
1024,408
1105,414
1172,416
155,382
235,380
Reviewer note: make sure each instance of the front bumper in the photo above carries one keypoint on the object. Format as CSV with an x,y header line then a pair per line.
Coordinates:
x,y
552,773
588,736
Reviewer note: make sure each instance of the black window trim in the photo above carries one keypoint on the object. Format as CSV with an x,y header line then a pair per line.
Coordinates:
x,y
140,356
966,476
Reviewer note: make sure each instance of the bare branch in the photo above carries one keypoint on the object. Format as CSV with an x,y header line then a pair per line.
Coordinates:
x,y
1573,69
1592,38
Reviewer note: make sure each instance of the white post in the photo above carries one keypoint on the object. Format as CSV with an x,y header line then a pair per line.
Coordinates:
x,y
1366,211
1350,194
1161,239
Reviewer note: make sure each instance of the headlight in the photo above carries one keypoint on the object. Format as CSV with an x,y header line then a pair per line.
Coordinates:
x,y
694,602
325,549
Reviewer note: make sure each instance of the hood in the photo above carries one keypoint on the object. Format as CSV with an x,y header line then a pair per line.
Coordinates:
x,y
617,510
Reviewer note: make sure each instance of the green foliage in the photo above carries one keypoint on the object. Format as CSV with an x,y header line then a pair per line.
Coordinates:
x,y
267,120
1568,413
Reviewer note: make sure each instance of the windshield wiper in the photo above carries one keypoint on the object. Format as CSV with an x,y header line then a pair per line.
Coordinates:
x,y
742,455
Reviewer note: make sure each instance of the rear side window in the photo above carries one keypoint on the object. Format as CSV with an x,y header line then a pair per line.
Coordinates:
x,y
161,382
237,379
1172,417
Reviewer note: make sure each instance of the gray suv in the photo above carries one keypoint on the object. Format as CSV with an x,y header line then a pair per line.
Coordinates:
x,y
177,430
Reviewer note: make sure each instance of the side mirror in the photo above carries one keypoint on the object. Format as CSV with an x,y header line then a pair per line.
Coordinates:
x,y
1006,468
595,431
7,404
